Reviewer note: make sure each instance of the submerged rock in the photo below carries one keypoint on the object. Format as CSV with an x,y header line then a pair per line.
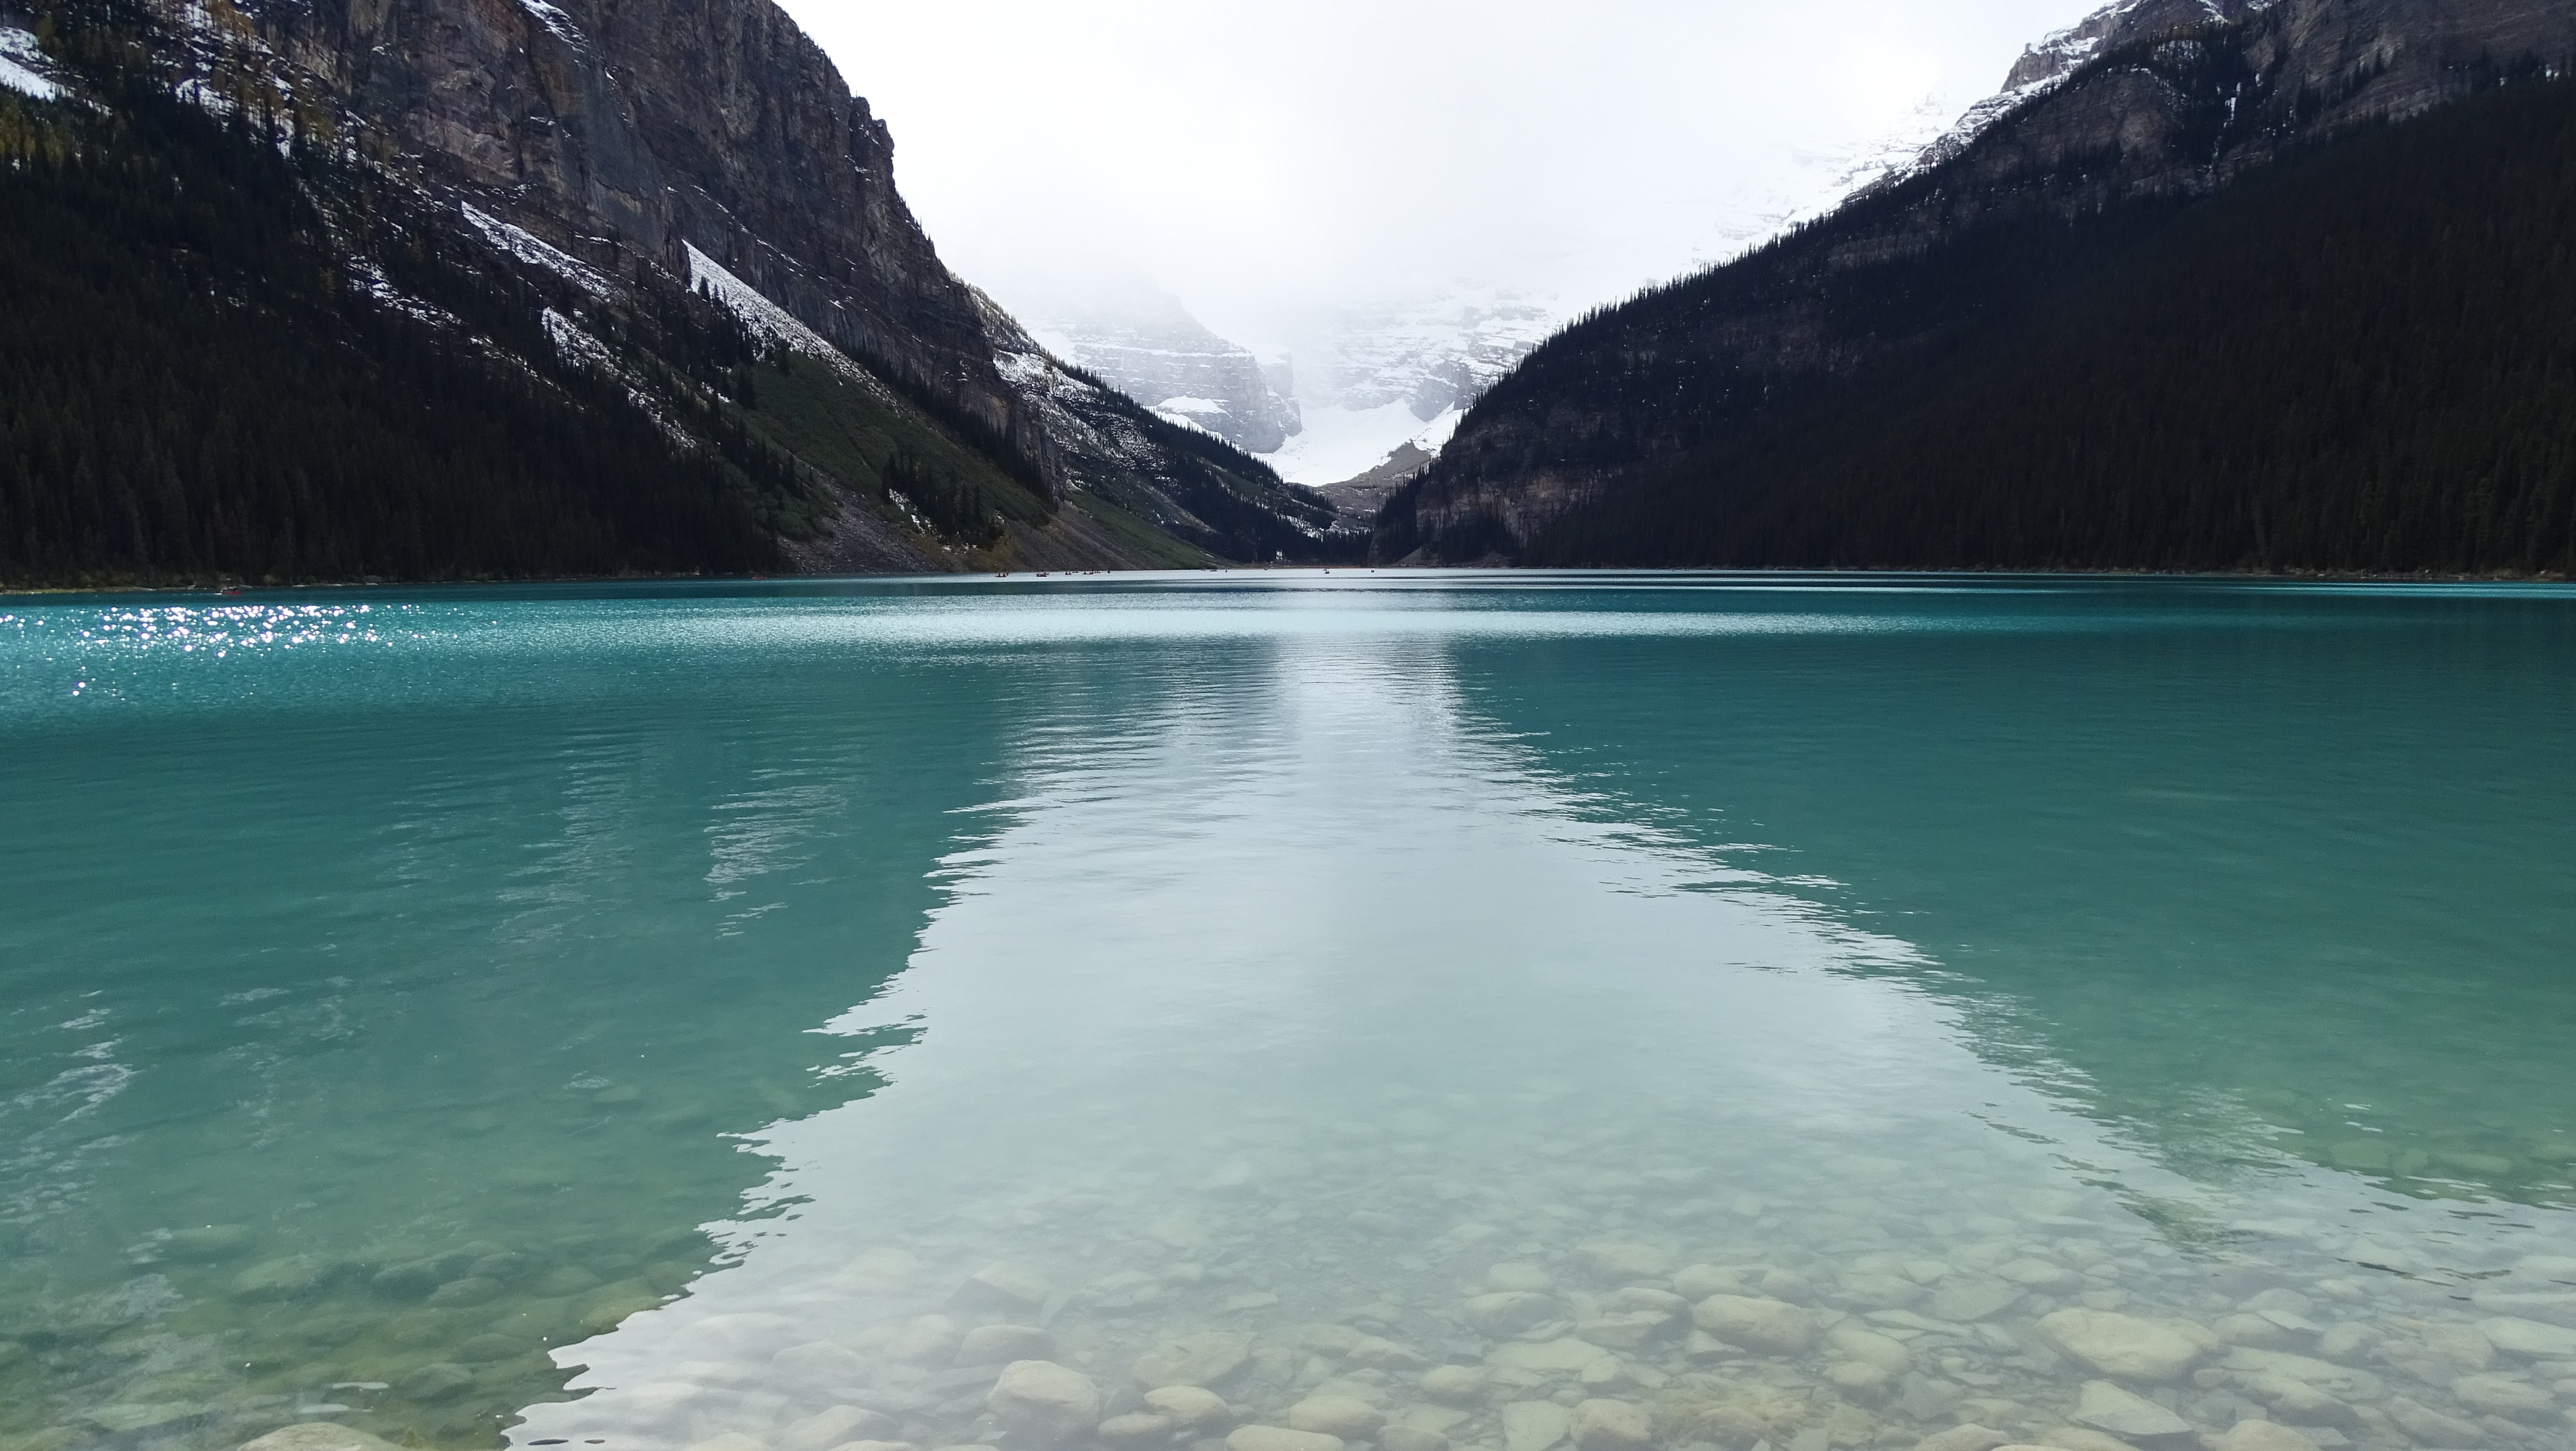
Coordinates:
x,y
1189,1405
1043,1403
1508,1312
1534,1425
1969,1437
1209,1358
1757,1324
287,1278
2126,1414
1607,1425
1456,1385
1003,1287
2516,1336
1348,1417
1280,1438
833,1427
317,1436
2261,1436
2121,1346
998,1344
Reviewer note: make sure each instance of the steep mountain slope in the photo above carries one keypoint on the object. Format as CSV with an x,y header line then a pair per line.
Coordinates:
x,y
2084,232
663,222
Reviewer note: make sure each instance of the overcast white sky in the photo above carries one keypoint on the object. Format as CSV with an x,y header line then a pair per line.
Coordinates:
x,y
1259,160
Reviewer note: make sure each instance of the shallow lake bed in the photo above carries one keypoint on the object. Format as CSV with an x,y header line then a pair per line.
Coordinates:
x,y
1432,1011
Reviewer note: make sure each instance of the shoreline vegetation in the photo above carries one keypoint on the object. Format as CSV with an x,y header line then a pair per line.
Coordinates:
x,y
230,588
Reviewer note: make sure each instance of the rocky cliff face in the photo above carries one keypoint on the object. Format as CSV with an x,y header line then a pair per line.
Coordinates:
x,y
2149,99
680,140
627,129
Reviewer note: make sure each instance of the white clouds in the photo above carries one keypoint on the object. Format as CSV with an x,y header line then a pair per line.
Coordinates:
x,y
1259,160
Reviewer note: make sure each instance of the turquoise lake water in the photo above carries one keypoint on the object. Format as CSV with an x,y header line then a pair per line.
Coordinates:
x,y
1812,1011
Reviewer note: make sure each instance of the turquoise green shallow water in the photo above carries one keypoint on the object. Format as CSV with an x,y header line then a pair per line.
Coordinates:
x,y
1803,1011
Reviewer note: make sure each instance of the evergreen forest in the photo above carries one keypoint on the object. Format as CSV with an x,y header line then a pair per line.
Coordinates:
x,y
195,386
2360,359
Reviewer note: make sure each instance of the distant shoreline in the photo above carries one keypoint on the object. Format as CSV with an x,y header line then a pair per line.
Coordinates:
x,y
45,591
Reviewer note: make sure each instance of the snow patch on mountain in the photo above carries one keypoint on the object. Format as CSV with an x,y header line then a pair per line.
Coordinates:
x,y
23,65
2048,64
536,251
555,21
768,321
1343,443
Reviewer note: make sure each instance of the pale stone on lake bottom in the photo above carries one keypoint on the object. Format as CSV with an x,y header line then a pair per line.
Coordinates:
x,y
281,1279
1189,1405
1968,1300
1756,1324
925,1340
1280,1438
317,1436
2082,1438
2122,1346
2261,1436
1208,1358
1044,1403
2516,1336
829,1428
1136,1428
1534,1425
1348,1417
1508,1312
1624,1329
2462,1345
1871,1347
2432,1427
731,1441
1380,1353
1969,1437
1518,1275
2503,1396
1002,1287
1412,1438
1456,1385
1607,1425
2106,1407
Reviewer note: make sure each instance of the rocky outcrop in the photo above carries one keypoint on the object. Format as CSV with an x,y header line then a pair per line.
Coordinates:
x,y
2149,99
618,129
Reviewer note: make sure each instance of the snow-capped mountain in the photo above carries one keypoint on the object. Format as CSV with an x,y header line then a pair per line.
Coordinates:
x,y
2045,66
1332,396
1150,348
1373,378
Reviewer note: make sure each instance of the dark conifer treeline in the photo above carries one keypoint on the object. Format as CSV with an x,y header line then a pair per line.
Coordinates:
x,y
192,384
2362,358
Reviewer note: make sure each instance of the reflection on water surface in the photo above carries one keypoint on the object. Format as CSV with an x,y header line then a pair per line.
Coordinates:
x,y
1435,1012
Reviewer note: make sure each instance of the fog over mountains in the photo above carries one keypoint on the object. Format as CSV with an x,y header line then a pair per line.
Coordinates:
x,y
1384,209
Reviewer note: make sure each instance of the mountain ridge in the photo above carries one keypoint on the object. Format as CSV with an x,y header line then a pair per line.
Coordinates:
x,y
2156,115
660,158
